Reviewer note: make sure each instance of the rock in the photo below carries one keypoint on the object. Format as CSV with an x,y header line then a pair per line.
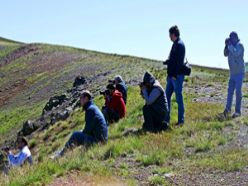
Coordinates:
x,y
69,109
169,175
130,131
29,127
54,102
62,115
56,109
79,80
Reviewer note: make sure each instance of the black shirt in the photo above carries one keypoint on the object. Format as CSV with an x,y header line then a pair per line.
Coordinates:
x,y
176,58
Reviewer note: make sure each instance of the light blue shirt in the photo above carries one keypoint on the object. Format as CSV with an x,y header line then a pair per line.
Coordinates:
x,y
235,56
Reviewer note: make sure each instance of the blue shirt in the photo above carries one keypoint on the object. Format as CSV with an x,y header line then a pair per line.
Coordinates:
x,y
20,158
95,123
235,56
176,58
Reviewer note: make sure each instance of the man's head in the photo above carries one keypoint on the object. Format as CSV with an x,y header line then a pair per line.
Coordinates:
x,y
234,38
21,142
174,33
148,80
118,79
110,88
86,96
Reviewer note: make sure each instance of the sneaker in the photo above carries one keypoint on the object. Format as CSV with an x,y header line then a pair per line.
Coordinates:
x,y
226,113
57,155
179,124
165,125
236,115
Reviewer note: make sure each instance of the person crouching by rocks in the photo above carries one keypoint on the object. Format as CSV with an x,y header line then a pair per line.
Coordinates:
x,y
114,108
95,130
156,110
121,86
19,159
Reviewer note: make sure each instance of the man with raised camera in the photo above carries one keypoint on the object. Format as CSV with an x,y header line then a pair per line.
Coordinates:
x,y
234,51
115,107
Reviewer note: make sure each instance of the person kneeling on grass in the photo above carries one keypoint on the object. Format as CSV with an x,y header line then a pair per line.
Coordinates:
x,y
114,108
156,110
96,129
19,159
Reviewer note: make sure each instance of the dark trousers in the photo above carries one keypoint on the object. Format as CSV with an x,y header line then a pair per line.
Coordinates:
x,y
79,138
154,121
110,115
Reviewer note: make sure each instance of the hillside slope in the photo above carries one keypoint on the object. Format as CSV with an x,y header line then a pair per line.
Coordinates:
x,y
32,73
206,151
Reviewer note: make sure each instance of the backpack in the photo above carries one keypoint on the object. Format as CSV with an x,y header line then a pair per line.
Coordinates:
x,y
186,69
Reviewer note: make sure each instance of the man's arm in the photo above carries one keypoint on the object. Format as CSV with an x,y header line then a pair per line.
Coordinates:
x,y
17,160
226,51
150,99
236,51
89,122
179,58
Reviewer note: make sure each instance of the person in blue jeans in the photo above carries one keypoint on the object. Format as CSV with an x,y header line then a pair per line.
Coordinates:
x,y
95,130
175,77
234,51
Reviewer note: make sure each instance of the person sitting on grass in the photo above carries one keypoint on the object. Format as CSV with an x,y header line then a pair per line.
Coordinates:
x,y
114,108
156,110
19,159
120,86
95,130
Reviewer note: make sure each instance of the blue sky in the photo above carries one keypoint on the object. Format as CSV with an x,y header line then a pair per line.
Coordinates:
x,y
134,27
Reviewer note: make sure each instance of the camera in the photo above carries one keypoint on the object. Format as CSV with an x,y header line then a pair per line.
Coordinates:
x,y
105,92
166,62
141,84
5,149
228,41
111,81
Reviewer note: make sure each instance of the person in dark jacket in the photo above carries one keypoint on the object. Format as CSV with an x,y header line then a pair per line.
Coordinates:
x,y
95,130
121,87
175,77
115,107
234,51
156,110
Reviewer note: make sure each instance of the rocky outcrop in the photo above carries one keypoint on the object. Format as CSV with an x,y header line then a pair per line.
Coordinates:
x,y
80,80
58,108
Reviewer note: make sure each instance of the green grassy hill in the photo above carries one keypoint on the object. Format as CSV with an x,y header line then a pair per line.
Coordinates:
x,y
206,151
32,73
8,42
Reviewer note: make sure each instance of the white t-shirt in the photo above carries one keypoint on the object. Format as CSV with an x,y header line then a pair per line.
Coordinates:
x,y
20,158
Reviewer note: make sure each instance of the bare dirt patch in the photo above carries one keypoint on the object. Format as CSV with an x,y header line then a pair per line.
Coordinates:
x,y
210,178
11,90
77,179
